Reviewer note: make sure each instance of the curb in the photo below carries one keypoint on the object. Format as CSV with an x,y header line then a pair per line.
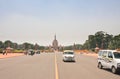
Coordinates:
x,y
12,56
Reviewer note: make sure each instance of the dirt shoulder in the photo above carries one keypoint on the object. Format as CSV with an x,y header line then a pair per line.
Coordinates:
x,y
91,54
10,55
86,52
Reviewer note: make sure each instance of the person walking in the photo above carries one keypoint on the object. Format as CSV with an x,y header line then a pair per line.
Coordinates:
x,y
3,52
6,52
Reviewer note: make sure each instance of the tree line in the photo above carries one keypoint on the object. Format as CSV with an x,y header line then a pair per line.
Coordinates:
x,y
100,39
24,46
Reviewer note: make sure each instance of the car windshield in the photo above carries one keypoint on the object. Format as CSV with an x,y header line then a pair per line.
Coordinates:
x,y
116,55
68,53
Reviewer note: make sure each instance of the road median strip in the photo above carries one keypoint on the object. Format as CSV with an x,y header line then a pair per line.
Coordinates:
x,y
56,68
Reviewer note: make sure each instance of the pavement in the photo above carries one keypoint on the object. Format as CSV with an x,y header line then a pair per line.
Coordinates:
x,y
91,54
10,55
51,66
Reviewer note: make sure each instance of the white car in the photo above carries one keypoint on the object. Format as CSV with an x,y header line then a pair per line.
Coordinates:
x,y
109,59
68,55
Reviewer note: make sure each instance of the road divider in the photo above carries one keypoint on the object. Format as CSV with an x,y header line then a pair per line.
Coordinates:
x,y
56,68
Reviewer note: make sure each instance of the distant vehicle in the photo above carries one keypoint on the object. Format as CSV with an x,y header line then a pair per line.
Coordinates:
x,y
30,52
68,55
109,59
37,52
4,52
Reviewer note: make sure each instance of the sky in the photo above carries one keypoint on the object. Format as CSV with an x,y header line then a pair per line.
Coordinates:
x,y
38,21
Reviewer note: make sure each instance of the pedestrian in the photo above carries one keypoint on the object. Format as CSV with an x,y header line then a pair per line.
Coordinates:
x,y
6,52
3,52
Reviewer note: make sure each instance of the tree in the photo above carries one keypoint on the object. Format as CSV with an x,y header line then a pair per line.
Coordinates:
x,y
28,46
92,41
115,42
1,44
78,46
70,47
86,45
8,43
41,47
101,39
15,45
108,39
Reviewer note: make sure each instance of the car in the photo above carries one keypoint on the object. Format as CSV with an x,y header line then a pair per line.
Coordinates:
x,y
37,52
31,52
68,55
109,59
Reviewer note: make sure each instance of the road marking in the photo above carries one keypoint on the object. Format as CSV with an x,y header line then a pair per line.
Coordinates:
x,y
56,68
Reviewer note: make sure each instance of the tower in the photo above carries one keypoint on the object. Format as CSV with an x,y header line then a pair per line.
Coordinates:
x,y
55,43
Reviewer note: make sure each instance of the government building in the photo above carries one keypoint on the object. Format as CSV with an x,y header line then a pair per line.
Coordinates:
x,y
55,46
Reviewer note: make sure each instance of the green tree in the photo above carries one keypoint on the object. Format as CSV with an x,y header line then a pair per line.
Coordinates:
x,y
99,37
41,47
86,45
115,42
15,45
70,47
78,46
8,43
1,44
28,46
92,41
108,39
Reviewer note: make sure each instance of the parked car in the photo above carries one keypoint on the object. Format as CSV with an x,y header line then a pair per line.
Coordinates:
x,y
68,55
109,59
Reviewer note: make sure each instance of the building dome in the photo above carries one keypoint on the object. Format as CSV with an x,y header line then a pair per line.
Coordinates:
x,y
55,44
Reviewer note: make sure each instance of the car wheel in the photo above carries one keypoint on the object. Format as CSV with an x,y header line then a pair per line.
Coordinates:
x,y
114,70
99,65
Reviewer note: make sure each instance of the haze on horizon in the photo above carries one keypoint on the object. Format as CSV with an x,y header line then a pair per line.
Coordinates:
x,y
37,21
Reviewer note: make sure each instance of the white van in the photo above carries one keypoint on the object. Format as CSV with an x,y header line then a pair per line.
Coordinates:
x,y
109,59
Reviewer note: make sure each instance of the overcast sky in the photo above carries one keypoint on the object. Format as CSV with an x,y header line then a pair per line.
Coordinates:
x,y
37,21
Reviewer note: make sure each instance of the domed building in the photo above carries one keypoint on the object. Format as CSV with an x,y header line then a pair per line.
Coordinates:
x,y
55,44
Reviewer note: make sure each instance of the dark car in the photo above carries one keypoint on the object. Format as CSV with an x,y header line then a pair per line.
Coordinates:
x,y
37,52
31,52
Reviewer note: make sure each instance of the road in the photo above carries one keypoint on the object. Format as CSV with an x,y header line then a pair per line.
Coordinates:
x,y
51,66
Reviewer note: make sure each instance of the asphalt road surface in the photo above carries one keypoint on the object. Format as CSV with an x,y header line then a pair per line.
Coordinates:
x,y
51,66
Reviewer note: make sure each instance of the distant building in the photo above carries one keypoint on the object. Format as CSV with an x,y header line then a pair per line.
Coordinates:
x,y
55,44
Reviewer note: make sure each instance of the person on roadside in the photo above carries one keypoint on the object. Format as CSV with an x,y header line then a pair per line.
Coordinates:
x,y
6,52
3,52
